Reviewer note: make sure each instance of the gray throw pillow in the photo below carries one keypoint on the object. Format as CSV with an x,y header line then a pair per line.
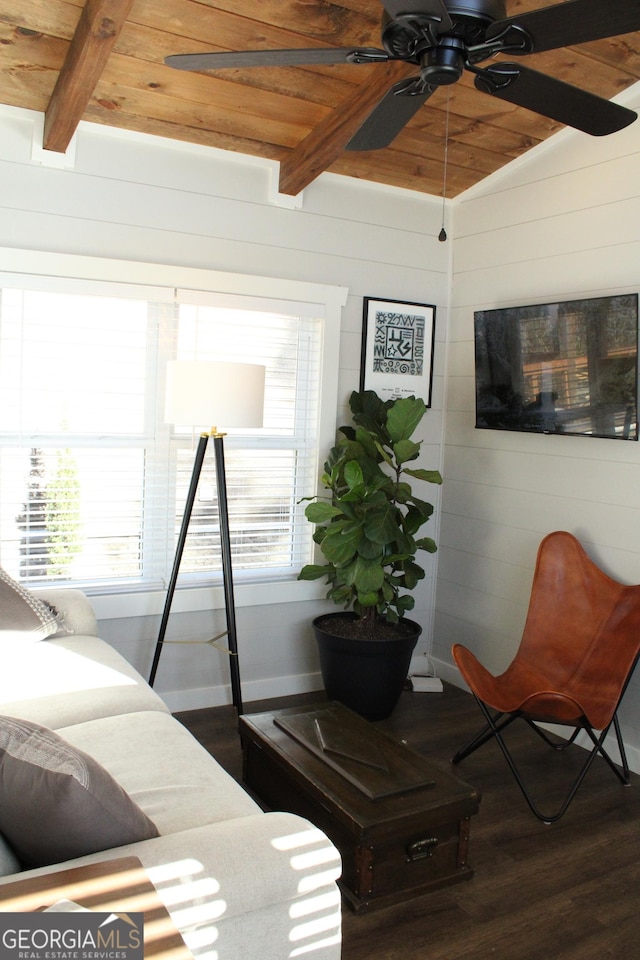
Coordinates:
x,y
9,863
23,616
57,802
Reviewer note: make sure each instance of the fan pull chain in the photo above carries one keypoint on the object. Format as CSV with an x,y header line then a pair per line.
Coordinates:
x,y
442,236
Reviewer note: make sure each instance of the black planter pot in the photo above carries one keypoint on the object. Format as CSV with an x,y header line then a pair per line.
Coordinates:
x,y
365,675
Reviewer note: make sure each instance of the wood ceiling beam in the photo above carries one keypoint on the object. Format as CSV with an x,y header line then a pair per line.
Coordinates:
x,y
322,147
98,29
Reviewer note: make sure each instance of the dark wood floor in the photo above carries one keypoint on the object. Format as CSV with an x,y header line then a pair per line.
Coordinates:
x,y
568,891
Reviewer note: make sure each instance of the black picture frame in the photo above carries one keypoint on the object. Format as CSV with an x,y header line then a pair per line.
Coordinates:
x,y
398,338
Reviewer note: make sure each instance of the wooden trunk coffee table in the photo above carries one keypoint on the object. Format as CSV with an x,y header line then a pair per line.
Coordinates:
x,y
401,824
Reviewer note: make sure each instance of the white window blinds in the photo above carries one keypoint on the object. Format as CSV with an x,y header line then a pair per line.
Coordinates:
x,y
93,482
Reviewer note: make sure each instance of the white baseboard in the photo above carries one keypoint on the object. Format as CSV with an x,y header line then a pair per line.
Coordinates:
x,y
199,698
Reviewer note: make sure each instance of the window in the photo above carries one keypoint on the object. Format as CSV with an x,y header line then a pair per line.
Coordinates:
x,y
94,482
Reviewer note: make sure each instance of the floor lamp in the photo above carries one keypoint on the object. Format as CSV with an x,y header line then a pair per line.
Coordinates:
x,y
231,395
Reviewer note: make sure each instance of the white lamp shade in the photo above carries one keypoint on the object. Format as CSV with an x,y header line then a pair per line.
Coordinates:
x,y
202,393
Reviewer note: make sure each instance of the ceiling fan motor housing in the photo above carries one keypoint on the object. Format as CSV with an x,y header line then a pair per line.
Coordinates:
x,y
443,64
441,56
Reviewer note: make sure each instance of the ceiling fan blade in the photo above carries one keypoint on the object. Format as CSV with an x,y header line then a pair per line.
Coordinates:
x,y
429,8
553,98
572,22
390,115
275,58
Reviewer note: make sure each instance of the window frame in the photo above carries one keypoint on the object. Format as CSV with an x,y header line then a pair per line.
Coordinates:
x,y
324,301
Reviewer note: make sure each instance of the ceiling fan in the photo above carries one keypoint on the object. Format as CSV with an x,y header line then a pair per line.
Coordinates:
x,y
445,37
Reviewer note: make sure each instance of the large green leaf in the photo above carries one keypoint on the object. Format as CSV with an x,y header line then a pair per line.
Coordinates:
x,y
379,486
404,416
321,511
367,599
347,450
314,571
394,559
405,450
340,547
370,550
368,410
367,442
403,492
424,508
412,575
348,509
341,594
415,518
381,524
427,543
405,603
405,543
368,576
431,476
353,474
353,496
384,454
335,454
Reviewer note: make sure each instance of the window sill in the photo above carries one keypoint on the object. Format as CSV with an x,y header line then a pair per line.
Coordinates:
x,y
188,600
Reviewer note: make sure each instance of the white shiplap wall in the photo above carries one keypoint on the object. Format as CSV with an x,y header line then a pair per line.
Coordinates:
x,y
140,198
561,223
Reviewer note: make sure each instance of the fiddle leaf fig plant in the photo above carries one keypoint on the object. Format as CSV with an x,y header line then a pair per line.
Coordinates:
x,y
368,523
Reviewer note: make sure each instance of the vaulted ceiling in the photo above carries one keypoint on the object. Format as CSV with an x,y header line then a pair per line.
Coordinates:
x,y
103,61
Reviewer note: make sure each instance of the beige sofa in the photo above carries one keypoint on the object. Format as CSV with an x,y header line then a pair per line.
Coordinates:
x,y
239,883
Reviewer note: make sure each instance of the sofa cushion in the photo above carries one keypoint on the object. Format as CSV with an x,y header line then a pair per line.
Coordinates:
x,y
70,680
57,802
23,617
164,769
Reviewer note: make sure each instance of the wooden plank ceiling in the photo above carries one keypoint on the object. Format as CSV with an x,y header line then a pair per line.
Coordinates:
x,y
102,61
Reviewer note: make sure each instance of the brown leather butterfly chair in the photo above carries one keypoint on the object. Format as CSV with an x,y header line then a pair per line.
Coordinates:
x,y
580,644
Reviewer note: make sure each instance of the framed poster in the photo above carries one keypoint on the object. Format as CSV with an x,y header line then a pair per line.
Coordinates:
x,y
397,348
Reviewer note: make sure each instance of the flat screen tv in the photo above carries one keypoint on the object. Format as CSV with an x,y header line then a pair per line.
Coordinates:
x,y
566,368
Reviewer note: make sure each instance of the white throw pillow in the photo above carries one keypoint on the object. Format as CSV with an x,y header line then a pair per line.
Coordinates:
x,y
22,616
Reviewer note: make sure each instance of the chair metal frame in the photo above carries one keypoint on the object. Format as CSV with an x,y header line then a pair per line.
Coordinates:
x,y
498,722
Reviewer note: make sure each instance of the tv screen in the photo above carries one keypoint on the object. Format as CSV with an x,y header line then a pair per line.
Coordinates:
x,y
567,368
